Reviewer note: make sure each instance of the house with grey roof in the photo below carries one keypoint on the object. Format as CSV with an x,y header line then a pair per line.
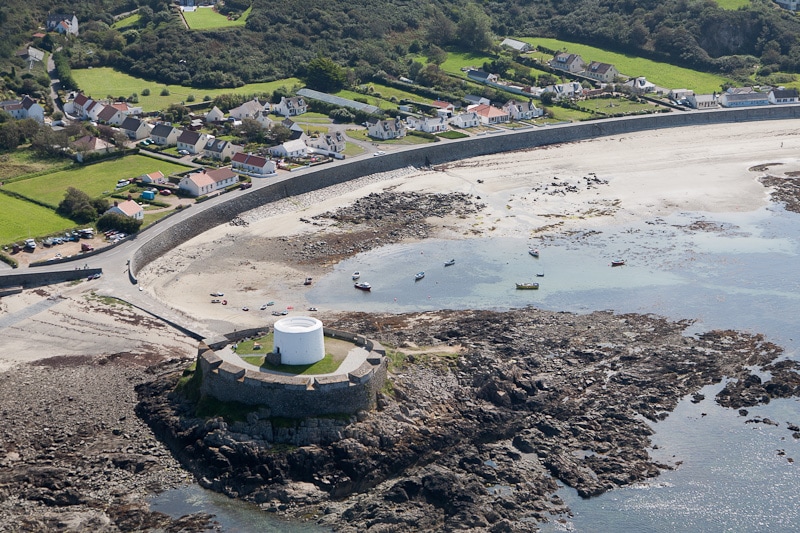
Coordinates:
x,y
481,77
470,119
134,128
191,141
517,46
330,142
783,96
220,150
602,72
743,99
165,134
295,148
568,62
518,110
290,107
428,124
387,129
250,109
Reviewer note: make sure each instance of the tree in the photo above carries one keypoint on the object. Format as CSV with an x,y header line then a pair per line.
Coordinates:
x,y
117,222
341,115
440,30
474,29
280,133
78,206
323,74
548,98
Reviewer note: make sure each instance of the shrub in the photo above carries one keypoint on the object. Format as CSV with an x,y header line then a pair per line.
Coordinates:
x,y
164,92
145,92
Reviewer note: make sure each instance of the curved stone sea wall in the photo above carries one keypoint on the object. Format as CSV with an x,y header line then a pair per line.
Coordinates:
x,y
443,152
297,396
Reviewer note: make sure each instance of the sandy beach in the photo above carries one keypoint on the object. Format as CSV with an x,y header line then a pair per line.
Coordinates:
x,y
534,192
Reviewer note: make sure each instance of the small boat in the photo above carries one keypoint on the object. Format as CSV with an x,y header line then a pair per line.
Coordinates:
x,y
534,252
617,263
356,275
450,263
540,274
270,303
527,286
313,309
224,302
307,281
419,275
364,286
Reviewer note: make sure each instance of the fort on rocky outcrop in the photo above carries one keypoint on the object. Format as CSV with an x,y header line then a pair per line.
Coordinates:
x,y
354,387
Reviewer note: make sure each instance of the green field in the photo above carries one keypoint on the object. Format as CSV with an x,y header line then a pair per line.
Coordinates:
x,y
371,100
732,4
662,74
22,220
25,161
95,180
205,18
613,106
387,92
458,60
104,81
361,135
127,22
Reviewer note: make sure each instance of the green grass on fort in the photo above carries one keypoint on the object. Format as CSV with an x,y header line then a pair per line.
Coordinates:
x,y
127,22
21,220
95,180
206,18
104,81
336,351
732,4
662,74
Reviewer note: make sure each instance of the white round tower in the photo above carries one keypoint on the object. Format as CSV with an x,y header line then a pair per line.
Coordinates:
x,y
299,340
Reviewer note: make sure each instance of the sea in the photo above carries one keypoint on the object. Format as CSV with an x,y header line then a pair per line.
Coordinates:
x,y
720,270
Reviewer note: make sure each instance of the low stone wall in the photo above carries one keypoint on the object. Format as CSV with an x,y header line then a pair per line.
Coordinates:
x,y
28,280
296,396
439,153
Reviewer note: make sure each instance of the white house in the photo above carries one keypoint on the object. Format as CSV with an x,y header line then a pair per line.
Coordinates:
x,y
290,107
680,95
640,85
220,150
128,208
569,62
215,115
490,114
522,110
602,72
783,96
253,164
135,129
191,141
295,148
79,104
443,108
62,23
93,109
428,124
249,109
387,129
164,134
154,177
89,144
743,99
330,142
481,76
208,181
264,120
516,45
469,119
472,99
565,90
25,108
702,101
110,115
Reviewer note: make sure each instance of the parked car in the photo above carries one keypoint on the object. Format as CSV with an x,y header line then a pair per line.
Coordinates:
x,y
30,244
245,185
164,192
217,294
183,152
86,247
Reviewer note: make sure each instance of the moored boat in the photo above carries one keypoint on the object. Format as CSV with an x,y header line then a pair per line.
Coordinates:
x,y
307,281
617,262
540,274
450,263
364,286
527,286
534,252
419,275
356,275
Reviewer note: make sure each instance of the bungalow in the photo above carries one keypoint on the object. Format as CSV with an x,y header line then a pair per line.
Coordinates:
x,y
253,164
215,115
602,72
249,109
387,129
428,124
640,85
135,128
220,150
330,142
191,141
517,46
783,96
466,120
702,101
128,208
522,110
680,96
62,23
743,99
295,129
295,148
110,115
164,134
568,62
444,108
154,177
471,99
208,181
490,114
481,76
571,89
126,109
89,144
290,107
25,108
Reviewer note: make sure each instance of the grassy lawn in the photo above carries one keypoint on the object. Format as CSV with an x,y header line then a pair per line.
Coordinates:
x,y
25,161
95,180
310,117
127,22
104,81
387,92
611,106
561,114
662,74
336,351
22,220
352,150
452,134
457,60
206,18
315,129
732,4
408,139
371,100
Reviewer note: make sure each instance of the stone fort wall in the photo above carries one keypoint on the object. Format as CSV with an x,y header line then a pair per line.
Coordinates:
x,y
297,396
443,152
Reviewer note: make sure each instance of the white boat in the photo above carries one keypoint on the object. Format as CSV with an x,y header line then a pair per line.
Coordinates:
x,y
356,275
534,252
527,286
450,263
419,275
364,286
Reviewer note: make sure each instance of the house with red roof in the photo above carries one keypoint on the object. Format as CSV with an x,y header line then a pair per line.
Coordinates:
x,y
253,165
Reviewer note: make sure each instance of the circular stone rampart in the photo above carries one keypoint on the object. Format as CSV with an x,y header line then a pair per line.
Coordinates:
x,y
299,340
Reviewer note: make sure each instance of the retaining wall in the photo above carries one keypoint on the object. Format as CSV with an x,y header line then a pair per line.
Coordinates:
x,y
296,396
443,152
38,279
